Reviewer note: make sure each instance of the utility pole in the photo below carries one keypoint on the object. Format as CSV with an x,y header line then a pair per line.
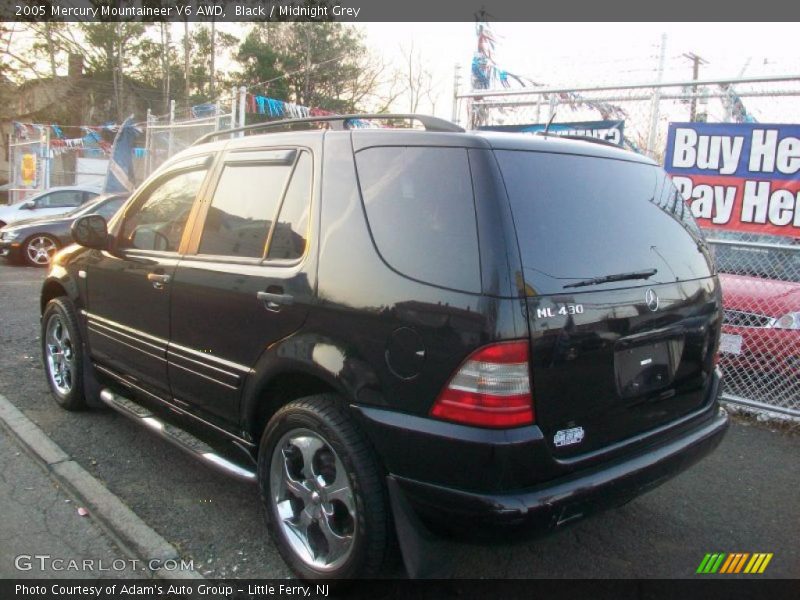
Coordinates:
x,y
307,84
213,68
696,62
456,82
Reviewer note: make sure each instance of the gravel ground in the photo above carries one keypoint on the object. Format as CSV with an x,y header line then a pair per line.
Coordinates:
x,y
743,498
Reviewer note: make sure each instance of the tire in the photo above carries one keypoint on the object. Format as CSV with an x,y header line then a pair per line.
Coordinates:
x,y
38,250
321,529
62,353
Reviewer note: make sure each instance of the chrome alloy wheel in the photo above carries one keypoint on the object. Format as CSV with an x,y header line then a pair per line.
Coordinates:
x,y
60,355
40,249
314,501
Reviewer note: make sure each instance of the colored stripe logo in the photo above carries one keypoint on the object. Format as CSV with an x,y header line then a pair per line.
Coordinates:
x,y
736,562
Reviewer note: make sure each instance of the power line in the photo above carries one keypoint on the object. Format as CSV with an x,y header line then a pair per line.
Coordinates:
x,y
308,67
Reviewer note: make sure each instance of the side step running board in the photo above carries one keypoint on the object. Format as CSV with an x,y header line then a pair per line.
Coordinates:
x,y
183,439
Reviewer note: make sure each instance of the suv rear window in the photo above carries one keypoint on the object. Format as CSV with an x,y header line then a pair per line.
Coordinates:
x,y
581,217
421,213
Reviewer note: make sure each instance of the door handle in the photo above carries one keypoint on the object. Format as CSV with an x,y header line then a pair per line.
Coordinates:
x,y
274,301
158,280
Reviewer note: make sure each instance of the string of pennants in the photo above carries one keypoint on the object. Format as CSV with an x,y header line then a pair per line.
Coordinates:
x,y
486,72
264,105
607,111
734,104
91,140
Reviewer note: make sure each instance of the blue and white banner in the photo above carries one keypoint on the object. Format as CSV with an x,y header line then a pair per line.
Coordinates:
x,y
740,176
119,177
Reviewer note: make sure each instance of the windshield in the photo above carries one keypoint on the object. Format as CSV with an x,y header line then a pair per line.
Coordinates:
x,y
83,209
584,218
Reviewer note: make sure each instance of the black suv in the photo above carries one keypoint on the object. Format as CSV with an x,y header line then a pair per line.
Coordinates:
x,y
392,328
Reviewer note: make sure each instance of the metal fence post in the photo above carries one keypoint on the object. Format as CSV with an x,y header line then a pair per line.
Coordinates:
x,y
147,153
171,120
233,108
46,157
455,93
552,107
242,105
651,137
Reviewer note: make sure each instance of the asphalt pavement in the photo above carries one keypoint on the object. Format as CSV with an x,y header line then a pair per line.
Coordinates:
x,y
742,498
45,533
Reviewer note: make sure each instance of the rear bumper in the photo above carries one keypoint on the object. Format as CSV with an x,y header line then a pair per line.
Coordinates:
x,y
558,502
455,475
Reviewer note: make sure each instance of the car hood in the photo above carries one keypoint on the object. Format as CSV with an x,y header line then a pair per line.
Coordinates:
x,y
9,211
52,220
757,295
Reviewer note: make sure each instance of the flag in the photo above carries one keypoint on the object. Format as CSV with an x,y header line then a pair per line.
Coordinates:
x,y
119,177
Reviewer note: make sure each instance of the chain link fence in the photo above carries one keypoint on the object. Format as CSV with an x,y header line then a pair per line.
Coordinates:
x,y
168,135
646,109
28,165
760,344
760,274
35,164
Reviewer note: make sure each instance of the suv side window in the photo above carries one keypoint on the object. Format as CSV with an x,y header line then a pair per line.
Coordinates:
x,y
291,232
421,213
243,208
158,219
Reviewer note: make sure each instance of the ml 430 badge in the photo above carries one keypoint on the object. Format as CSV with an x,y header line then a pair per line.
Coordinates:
x,y
564,309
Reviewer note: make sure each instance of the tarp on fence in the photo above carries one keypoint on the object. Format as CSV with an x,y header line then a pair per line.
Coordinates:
x,y
610,131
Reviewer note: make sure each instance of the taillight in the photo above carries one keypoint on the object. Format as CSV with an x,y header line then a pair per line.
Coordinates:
x,y
490,389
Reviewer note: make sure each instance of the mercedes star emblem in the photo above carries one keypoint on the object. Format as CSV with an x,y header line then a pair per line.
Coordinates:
x,y
651,299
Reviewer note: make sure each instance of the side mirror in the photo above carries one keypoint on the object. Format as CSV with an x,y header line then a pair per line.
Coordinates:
x,y
29,205
91,231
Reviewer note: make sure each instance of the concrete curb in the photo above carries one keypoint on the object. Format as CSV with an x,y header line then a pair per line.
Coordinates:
x,y
113,515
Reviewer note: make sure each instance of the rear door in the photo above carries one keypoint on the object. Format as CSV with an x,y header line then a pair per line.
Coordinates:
x,y
622,305
246,284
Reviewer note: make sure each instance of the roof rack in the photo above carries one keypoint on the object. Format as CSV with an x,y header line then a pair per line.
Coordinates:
x,y
582,138
338,122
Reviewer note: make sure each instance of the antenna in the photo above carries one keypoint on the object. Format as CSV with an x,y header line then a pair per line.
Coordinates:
x,y
549,122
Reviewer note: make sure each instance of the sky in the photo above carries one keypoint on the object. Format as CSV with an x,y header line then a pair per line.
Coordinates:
x,y
580,54
595,53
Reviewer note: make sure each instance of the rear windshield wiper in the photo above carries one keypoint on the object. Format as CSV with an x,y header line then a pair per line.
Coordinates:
x,y
645,274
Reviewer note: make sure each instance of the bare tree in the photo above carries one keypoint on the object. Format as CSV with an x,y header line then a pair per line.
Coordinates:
x,y
418,80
